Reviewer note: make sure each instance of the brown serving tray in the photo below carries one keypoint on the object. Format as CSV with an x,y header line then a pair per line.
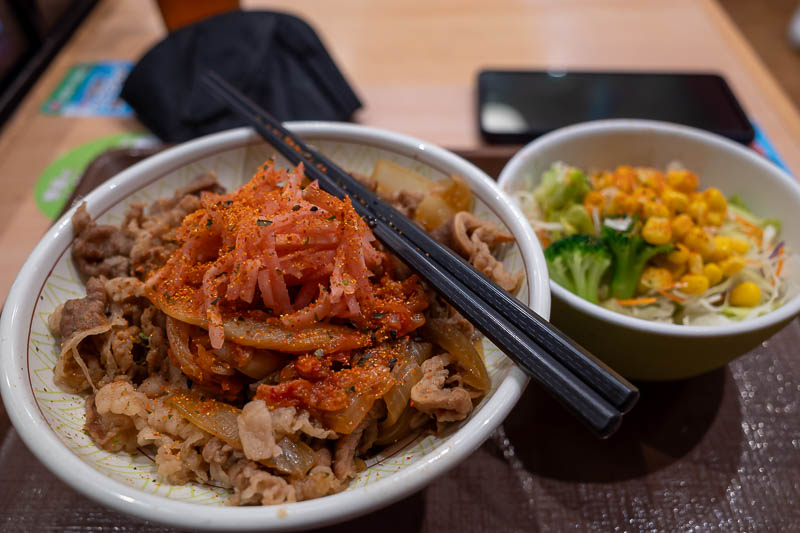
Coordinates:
x,y
720,452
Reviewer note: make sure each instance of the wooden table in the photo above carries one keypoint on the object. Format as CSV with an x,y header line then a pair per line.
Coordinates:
x,y
414,65
688,450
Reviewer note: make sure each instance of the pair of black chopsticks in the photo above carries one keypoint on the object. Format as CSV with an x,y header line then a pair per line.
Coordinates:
x,y
593,392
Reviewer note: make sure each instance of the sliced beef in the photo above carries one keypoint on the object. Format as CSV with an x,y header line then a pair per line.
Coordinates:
x,y
475,239
406,202
99,250
319,482
290,421
431,395
438,308
366,181
112,432
81,325
250,482
155,338
253,485
256,432
152,231
124,288
84,313
344,465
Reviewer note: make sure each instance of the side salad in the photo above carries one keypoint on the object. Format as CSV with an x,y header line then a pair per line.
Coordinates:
x,y
653,245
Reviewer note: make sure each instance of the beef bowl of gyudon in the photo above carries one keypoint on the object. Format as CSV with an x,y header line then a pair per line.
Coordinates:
x,y
210,340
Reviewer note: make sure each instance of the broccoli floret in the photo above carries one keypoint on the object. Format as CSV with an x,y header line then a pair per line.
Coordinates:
x,y
561,187
576,219
630,254
578,263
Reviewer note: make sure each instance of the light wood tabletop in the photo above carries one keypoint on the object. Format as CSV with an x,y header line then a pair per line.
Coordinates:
x,y
414,65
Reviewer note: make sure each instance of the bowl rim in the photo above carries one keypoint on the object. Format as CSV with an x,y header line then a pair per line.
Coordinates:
x,y
514,171
47,447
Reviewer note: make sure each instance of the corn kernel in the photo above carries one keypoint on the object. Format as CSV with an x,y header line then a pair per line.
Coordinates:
x,y
654,209
720,248
677,201
695,263
657,230
602,180
716,200
713,273
678,270
697,240
681,225
652,178
697,210
682,180
731,265
625,178
679,255
645,193
746,294
694,283
654,278
594,200
623,204
739,245
714,218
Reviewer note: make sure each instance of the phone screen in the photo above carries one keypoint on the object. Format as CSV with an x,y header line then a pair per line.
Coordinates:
x,y
516,106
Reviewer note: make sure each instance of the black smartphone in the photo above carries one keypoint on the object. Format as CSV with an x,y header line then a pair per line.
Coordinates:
x,y
517,106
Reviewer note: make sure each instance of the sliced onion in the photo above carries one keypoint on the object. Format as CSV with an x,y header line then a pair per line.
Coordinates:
x,y
296,459
273,335
217,418
234,355
346,420
178,336
458,345
422,351
433,210
268,334
392,177
406,376
391,433
262,364
457,193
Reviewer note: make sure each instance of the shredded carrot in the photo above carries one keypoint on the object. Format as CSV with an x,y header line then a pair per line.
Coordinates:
x,y
753,235
637,301
749,224
779,267
750,229
665,293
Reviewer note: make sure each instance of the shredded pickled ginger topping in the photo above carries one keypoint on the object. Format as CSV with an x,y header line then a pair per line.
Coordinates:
x,y
297,255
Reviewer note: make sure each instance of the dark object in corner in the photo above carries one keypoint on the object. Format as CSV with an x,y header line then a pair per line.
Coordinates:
x,y
275,58
33,32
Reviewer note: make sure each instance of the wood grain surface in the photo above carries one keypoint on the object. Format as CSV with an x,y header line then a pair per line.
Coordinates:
x,y
414,64
715,453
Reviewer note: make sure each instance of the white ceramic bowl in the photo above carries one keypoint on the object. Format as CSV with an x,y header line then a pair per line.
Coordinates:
x,y
50,421
636,348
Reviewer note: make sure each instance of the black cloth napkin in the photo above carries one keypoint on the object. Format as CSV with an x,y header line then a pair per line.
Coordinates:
x,y
274,58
